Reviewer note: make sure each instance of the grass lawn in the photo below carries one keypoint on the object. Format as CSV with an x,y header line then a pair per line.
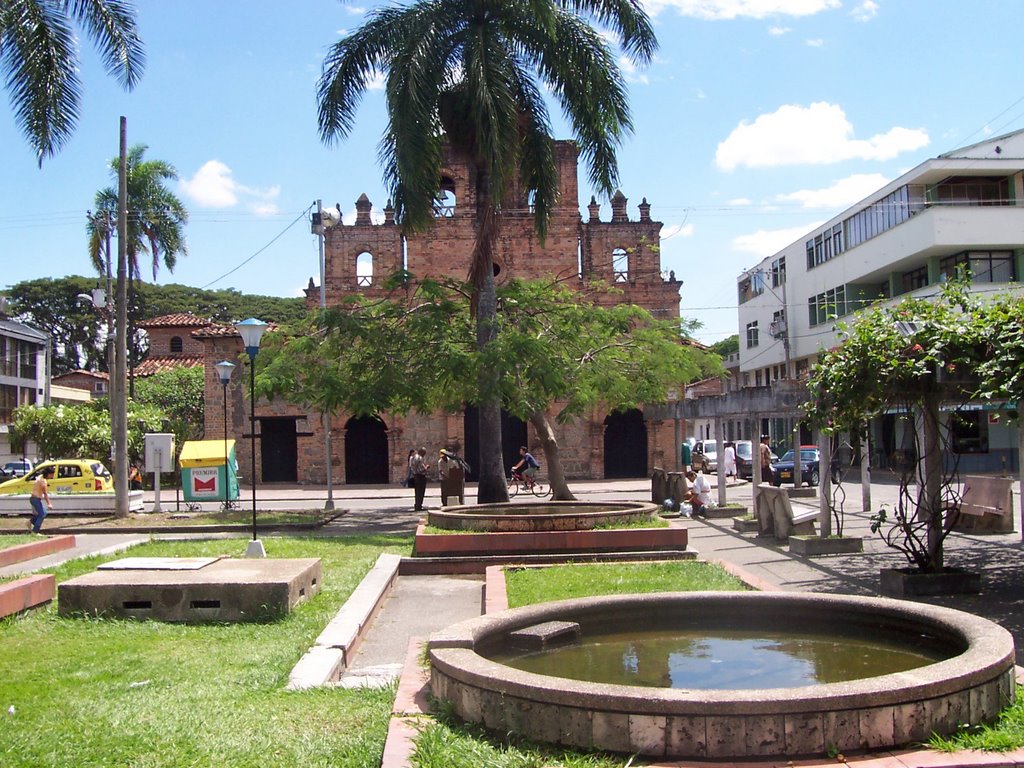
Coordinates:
x,y
14,539
89,692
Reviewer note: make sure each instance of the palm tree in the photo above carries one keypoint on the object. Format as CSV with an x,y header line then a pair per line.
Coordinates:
x,y
39,61
156,221
470,74
156,217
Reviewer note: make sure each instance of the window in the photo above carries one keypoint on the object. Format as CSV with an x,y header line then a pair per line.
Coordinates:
x,y
752,335
778,272
27,355
980,266
176,345
444,203
778,327
620,265
828,305
364,269
970,431
915,278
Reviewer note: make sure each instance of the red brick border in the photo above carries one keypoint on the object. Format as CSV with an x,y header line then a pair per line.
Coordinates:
x,y
33,549
20,595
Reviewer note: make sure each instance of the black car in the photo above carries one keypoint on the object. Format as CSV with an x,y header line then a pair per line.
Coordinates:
x,y
810,460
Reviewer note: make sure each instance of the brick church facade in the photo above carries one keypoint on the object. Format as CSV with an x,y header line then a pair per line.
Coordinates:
x,y
359,256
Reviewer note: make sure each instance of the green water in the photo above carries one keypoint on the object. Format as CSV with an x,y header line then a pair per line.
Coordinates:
x,y
722,659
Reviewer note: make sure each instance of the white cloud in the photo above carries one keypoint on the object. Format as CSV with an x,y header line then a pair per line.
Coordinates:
x,y
816,42
814,135
736,201
841,194
766,242
676,230
213,186
777,31
865,11
719,10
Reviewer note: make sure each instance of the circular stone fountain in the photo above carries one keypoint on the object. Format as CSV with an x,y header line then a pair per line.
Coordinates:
x,y
545,516
969,683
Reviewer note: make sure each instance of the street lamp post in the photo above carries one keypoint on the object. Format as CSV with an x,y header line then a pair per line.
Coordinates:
x,y
224,370
251,331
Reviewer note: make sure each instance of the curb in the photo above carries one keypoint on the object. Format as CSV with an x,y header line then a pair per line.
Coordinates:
x,y
328,658
20,595
19,553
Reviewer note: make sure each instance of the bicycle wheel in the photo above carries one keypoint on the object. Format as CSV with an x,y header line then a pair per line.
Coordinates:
x,y
541,490
513,488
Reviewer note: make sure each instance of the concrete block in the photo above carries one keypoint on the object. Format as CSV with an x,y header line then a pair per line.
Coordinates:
x,y
611,731
877,726
33,549
575,727
727,737
842,731
765,735
804,734
647,734
687,735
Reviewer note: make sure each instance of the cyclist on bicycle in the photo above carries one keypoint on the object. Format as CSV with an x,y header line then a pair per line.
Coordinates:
x,y
526,467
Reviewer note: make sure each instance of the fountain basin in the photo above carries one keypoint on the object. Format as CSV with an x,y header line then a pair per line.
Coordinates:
x,y
544,516
970,686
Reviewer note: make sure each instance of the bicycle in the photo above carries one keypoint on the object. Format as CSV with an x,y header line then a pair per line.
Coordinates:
x,y
518,482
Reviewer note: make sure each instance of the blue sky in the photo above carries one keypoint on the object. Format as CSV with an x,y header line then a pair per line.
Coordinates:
x,y
758,120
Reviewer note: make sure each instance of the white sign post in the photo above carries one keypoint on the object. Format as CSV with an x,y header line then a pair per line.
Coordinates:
x,y
159,458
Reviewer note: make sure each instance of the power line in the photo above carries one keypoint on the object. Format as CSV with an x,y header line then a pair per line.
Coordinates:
x,y
261,250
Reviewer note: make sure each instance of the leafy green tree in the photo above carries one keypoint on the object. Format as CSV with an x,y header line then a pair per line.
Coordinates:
x,y
39,61
156,217
727,346
178,393
555,349
81,430
912,357
77,331
473,76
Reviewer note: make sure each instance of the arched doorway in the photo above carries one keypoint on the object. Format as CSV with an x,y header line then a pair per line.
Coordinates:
x,y
366,451
625,444
513,435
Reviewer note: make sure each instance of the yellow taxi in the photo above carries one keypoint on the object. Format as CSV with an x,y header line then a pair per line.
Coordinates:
x,y
70,476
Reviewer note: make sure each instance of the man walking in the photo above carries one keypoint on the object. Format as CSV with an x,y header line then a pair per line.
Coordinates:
x,y
418,465
40,493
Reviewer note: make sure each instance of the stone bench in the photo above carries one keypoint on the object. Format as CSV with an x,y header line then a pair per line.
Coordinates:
x,y
986,506
775,515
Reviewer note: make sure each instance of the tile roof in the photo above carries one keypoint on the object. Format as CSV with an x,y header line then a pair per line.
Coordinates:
x,y
160,364
176,320
82,372
217,331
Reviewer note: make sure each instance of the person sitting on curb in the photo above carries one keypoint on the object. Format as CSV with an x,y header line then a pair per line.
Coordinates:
x,y
698,496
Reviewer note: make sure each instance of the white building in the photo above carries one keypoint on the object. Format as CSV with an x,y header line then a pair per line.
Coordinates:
x,y
965,207
24,374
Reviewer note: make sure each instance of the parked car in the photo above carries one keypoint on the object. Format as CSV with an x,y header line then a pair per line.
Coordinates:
x,y
17,468
70,476
810,461
744,451
705,456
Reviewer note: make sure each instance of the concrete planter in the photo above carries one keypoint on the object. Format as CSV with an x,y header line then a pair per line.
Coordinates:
x,y
744,524
722,513
101,503
811,546
910,582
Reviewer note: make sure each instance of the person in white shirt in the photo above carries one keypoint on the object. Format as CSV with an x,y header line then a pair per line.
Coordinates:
x,y
729,460
699,494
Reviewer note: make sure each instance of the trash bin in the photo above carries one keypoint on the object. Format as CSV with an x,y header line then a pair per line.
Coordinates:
x,y
451,470
204,475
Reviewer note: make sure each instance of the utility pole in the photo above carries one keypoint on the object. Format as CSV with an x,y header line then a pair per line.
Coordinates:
x,y
118,402
325,417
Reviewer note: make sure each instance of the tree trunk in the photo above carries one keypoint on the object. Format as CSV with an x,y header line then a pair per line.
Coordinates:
x,y
556,474
492,487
